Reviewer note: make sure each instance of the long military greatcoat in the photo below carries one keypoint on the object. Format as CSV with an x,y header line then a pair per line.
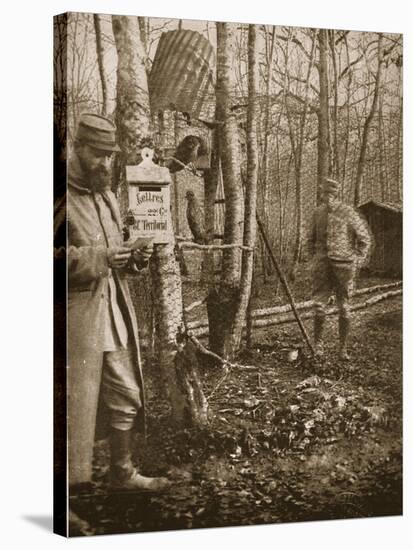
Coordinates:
x,y
87,267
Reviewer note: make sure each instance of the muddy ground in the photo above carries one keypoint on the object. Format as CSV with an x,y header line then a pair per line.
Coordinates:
x,y
288,441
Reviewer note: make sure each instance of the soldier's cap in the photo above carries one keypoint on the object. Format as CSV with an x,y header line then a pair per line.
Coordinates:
x,y
331,186
97,131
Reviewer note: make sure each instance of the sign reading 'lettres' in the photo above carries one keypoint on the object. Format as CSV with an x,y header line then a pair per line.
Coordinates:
x,y
149,200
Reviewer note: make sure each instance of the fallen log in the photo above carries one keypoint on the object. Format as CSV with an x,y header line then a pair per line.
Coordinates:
x,y
309,303
270,321
200,328
286,308
371,289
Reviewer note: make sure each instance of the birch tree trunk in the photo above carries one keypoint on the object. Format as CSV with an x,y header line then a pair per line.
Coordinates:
x,y
143,23
132,116
100,52
336,156
222,301
182,383
250,216
211,178
382,156
347,127
367,124
230,162
264,197
323,137
298,168
265,156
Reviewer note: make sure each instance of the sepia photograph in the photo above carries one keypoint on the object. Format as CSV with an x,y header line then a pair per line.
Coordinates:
x,y
228,273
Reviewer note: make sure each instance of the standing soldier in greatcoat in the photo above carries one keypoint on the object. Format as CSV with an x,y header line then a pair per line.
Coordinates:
x,y
102,334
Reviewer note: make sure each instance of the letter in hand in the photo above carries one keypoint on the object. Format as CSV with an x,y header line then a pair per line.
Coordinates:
x,y
142,248
118,256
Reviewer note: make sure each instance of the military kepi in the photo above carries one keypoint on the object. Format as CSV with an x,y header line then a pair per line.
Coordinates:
x,y
98,132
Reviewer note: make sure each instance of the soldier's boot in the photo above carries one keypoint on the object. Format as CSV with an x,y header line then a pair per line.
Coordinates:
x,y
123,474
344,331
319,322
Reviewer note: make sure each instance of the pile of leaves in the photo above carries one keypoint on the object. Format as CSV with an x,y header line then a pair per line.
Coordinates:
x,y
317,412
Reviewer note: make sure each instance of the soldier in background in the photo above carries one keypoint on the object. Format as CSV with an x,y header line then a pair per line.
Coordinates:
x,y
341,244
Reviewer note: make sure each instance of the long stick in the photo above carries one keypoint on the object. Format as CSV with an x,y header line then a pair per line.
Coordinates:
x,y
285,284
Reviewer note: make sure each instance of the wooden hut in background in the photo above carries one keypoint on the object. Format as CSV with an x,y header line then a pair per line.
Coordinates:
x,y
386,224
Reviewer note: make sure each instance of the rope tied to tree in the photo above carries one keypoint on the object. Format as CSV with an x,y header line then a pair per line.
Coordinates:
x,y
192,244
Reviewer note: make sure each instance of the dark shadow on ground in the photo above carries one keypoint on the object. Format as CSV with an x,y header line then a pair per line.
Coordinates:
x,y
45,522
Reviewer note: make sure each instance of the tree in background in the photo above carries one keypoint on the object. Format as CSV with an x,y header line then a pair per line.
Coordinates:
x,y
323,142
223,299
100,52
368,122
250,210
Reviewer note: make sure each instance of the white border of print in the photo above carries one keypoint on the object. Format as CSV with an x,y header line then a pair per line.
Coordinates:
x,y
26,279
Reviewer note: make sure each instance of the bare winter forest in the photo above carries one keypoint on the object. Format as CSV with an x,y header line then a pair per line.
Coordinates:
x,y
250,120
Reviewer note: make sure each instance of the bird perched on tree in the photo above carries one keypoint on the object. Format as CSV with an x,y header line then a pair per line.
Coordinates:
x,y
187,153
195,217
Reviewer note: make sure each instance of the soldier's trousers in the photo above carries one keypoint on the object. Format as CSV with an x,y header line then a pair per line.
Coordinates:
x,y
120,390
332,277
